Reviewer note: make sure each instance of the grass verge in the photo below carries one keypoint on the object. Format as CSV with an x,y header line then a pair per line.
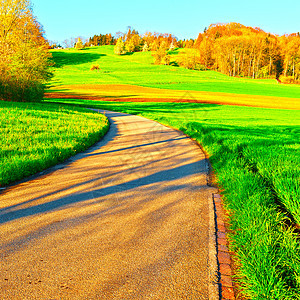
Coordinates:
x,y
255,155
37,136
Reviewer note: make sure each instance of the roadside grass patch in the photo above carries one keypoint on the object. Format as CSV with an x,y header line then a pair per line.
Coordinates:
x,y
37,136
255,155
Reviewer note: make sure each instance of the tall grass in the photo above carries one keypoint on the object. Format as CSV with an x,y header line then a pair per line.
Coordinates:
x,y
37,136
255,155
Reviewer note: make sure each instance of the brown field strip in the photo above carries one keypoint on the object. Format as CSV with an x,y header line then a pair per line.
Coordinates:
x,y
133,93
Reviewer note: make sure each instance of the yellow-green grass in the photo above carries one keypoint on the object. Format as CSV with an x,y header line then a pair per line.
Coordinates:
x,y
37,136
255,155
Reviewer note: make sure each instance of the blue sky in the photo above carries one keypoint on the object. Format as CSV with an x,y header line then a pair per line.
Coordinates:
x,y
63,19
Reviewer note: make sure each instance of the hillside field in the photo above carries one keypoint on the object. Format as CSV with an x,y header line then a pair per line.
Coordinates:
x,y
134,77
254,150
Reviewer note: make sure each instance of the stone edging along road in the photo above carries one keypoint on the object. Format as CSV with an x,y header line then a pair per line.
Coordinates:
x,y
131,218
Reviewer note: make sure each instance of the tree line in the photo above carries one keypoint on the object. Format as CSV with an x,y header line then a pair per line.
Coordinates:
x,y
159,43
238,50
24,56
101,40
232,48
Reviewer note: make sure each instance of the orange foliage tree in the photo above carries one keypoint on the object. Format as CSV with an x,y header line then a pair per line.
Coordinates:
x,y
24,56
161,55
238,50
291,49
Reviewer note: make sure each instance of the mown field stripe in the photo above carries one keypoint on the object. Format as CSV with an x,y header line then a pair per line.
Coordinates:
x,y
122,92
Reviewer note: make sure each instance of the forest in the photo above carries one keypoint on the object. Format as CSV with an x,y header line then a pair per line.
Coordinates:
x,y
237,50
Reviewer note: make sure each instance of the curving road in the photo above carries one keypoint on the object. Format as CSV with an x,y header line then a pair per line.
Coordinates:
x,y
131,218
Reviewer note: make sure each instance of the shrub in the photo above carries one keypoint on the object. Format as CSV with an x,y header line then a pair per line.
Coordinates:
x,y
95,67
21,91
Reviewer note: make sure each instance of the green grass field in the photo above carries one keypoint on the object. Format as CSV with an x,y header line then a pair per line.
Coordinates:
x,y
136,69
37,136
254,151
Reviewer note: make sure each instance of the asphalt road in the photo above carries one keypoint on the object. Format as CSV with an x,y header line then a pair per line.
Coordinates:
x,y
128,219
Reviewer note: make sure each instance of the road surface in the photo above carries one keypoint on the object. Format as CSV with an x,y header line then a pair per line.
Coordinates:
x,y
131,218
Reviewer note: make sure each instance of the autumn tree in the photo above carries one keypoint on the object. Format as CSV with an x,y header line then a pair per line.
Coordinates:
x,y
154,45
291,50
101,39
146,47
189,43
172,47
119,47
133,44
161,55
148,38
79,44
198,40
190,59
238,50
205,50
130,33
24,56
129,46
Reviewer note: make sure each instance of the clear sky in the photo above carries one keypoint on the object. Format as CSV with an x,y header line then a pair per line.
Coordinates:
x,y
63,19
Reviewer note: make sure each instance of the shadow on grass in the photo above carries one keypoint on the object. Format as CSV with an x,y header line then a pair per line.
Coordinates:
x,y
136,107
64,94
174,64
62,59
